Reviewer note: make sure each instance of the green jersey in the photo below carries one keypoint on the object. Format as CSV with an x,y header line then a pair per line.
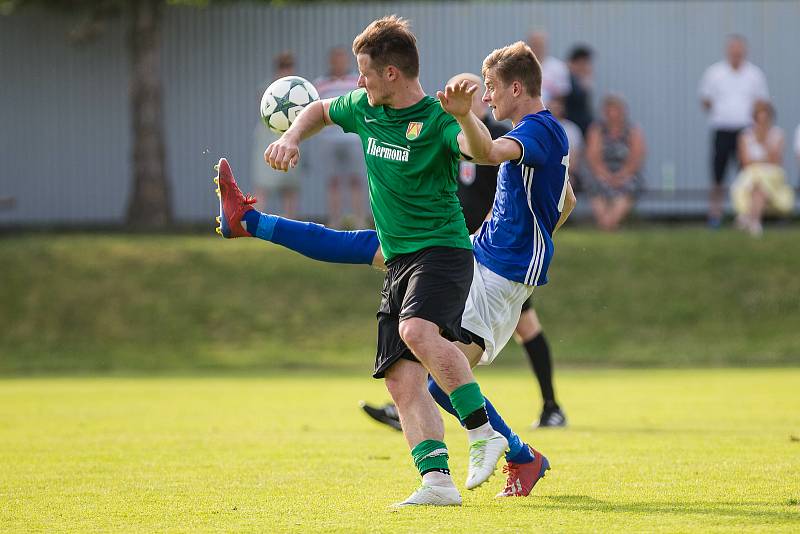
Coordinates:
x,y
412,165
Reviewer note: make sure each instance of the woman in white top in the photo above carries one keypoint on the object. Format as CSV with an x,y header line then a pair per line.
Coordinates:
x,y
761,185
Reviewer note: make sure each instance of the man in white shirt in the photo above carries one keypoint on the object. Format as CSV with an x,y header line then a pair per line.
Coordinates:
x,y
555,75
728,90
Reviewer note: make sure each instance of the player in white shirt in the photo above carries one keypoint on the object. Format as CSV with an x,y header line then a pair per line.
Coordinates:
x,y
728,90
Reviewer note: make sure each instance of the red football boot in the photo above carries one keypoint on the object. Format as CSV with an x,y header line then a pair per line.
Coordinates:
x,y
523,477
233,204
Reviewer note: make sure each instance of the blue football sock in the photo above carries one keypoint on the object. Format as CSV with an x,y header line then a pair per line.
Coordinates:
x,y
524,456
251,218
518,451
515,445
441,398
314,240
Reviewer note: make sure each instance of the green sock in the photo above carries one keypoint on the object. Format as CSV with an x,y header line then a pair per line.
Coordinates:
x,y
430,454
466,399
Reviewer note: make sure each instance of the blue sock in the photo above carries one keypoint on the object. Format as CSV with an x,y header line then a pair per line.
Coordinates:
x,y
523,456
251,218
518,451
441,398
314,240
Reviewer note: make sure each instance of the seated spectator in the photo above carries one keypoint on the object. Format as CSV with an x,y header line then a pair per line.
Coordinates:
x,y
615,151
761,185
575,138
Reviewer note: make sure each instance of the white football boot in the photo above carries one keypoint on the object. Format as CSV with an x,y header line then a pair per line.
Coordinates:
x,y
432,496
483,457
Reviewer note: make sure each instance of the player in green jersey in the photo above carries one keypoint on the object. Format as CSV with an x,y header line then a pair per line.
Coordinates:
x,y
412,150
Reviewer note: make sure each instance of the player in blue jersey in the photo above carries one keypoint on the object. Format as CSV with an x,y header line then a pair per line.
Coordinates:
x,y
532,185
513,249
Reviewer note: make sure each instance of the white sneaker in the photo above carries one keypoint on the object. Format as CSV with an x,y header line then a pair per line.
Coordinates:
x,y
483,457
432,496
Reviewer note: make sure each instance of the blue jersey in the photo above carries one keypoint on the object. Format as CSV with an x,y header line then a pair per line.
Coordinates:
x,y
516,242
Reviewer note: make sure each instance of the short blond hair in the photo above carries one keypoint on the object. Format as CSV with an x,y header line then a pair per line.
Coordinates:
x,y
389,41
516,62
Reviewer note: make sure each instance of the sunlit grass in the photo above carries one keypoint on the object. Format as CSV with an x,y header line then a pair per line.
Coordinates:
x,y
670,450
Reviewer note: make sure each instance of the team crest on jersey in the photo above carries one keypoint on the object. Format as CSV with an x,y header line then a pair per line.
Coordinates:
x,y
413,130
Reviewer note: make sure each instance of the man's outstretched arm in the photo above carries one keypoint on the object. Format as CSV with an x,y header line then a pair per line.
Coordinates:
x,y
285,152
475,140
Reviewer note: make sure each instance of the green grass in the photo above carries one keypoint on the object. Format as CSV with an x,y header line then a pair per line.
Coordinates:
x,y
664,450
645,297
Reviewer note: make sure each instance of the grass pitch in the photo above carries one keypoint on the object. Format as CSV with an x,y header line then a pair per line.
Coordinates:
x,y
666,450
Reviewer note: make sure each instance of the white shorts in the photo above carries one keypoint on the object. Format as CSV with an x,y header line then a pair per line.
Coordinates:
x,y
492,309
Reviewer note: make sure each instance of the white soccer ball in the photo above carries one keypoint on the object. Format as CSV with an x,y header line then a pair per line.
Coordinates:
x,y
284,99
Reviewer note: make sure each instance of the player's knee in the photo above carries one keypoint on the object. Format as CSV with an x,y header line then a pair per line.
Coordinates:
x,y
414,333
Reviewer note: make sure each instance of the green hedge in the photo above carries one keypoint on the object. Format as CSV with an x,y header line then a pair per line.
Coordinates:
x,y
645,297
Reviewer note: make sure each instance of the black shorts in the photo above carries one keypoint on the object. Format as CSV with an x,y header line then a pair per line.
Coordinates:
x,y
431,284
724,150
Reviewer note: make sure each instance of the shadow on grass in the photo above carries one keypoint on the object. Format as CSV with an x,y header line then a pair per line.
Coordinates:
x,y
584,503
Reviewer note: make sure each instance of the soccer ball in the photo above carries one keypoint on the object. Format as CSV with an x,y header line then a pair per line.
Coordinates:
x,y
284,99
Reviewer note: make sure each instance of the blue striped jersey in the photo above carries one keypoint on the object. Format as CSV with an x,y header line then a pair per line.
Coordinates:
x,y
516,242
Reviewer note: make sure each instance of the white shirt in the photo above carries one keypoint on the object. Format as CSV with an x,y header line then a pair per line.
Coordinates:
x,y
732,93
758,151
555,78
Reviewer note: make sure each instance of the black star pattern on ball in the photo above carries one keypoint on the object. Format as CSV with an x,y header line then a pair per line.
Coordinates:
x,y
283,104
